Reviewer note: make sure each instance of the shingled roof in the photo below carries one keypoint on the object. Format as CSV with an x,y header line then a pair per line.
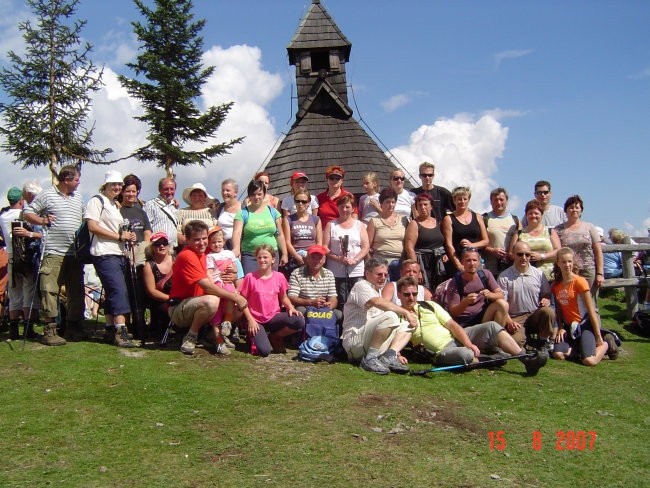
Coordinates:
x,y
317,30
324,132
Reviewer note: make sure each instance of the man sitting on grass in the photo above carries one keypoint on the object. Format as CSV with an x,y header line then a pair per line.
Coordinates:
x,y
373,333
194,298
452,344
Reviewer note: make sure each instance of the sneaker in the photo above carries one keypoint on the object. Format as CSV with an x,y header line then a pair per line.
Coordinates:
x,y
122,337
228,343
535,362
374,365
189,343
235,335
392,363
222,350
226,328
612,351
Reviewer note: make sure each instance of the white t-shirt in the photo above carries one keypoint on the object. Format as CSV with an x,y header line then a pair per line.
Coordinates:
x,y
109,218
404,203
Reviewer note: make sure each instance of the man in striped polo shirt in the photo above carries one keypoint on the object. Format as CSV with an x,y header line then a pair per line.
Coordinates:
x,y
312,285
162,212
59,209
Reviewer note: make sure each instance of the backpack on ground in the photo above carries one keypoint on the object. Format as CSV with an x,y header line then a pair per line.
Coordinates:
x,y
83,240
642,321
322,341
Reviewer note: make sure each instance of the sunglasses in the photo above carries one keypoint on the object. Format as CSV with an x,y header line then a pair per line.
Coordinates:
x,y
161,243
303,202
411,294
334,177
470,249
523,254
542,192
426,175
399,178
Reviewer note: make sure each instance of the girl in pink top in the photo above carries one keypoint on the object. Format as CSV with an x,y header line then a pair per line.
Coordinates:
x,y
575,310
265,291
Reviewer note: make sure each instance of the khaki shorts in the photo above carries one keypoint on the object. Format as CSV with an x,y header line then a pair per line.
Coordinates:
x,y
356,341
182,314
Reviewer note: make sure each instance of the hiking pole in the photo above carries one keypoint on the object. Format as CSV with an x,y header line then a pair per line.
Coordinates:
x,y
467,367
44,230
136,313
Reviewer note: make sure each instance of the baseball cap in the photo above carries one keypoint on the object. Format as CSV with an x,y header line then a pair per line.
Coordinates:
x,y
14,194
317,249
297,175
330,170
157,236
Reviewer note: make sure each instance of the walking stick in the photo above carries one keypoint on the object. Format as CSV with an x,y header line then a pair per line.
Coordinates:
x,y
136,313
467,367
36,282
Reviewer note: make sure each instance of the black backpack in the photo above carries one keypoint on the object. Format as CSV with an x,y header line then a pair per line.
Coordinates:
x,y
83,240
25,253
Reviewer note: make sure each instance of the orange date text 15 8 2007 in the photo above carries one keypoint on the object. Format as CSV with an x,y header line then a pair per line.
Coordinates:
x,y
565,440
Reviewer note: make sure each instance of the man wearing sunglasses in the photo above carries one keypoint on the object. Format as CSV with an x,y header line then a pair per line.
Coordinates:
x,y
375,330
442,201
528,293
452,344
552,215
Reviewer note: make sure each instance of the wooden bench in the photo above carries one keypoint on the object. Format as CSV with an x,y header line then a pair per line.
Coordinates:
x,y
630,282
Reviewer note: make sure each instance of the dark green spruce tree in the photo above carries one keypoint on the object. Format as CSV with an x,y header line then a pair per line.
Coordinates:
x,y
49,88
169,75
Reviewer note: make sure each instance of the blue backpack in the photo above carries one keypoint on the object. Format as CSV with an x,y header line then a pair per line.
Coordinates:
x,y
321,341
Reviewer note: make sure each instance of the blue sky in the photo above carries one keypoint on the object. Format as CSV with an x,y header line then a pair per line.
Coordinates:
x,y
495,92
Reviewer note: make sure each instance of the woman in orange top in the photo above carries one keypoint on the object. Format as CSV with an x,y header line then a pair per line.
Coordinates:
x,y
575,310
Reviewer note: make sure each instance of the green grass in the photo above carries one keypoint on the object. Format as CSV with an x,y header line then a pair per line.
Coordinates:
x,y
88,414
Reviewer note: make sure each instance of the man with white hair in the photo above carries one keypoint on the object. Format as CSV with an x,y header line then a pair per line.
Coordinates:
x,y
162,212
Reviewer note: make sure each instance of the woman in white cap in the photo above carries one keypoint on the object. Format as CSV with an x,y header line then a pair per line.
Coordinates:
x,y
199,201
105,222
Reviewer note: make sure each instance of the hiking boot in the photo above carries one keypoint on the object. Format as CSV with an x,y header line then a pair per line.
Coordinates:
x,y
222,350
535,362
51,336
612,351
391,361
189,343
14,333
228,343
374,365
121,338
226,328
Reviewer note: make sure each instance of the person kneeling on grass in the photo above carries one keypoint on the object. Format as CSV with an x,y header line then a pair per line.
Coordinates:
x,y
575,310
452,344
194,298
266,290
373,332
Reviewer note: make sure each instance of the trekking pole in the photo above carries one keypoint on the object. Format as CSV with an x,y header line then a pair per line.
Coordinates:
x,y
467,367
44,230
129,252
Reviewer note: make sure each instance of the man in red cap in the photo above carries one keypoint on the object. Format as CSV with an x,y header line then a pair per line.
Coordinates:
x,y
327,208
312,285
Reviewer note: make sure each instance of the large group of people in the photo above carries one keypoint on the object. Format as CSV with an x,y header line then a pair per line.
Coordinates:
x,y
396,268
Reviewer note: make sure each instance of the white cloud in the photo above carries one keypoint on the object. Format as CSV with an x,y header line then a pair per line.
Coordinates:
x,y
644,74
641,231
464,149
11,39
118,47
238,77
511,54
399,100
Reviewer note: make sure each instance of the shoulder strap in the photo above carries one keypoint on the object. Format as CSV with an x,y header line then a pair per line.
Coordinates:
x,y
426,304
460,286
244,214
483,278
485,219
516,219
164,210
220,208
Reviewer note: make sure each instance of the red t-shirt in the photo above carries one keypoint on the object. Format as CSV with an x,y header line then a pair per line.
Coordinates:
x,y
188,269
327,208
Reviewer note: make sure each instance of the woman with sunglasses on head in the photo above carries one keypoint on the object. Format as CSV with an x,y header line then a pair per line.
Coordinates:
x,y
404,199
583,239
461,229
301,230
347,239
157,276
543,241
327,206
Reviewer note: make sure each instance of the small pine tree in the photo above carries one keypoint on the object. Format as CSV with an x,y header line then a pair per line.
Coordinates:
x,y
170,60
49,90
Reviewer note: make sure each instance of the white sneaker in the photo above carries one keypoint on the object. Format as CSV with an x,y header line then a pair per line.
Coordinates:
x,y
222,350
226,328
189,343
